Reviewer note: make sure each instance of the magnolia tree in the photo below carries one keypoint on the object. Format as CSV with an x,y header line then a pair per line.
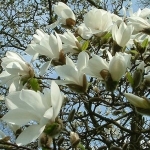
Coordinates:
x,y
86,88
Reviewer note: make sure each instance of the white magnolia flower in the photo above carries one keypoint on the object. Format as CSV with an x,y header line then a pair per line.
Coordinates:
x,y
121,35
39,36
84,31
116,67
65,14
27,105
139,24
16,69
144,13
49,46
98,20
72,74
137,101
71,44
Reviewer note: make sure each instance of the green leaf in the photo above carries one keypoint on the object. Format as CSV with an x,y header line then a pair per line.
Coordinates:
x,y
107,36
85,45
144,43
81,146
79,39
34,84
129,77
50,128
134,52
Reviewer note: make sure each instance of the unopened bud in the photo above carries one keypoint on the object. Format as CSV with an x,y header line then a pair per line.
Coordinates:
x,y
143,111
71,115
138,101
137,78
45,141
74,139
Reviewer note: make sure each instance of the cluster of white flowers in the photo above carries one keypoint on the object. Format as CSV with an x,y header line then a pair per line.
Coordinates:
x,y
29,103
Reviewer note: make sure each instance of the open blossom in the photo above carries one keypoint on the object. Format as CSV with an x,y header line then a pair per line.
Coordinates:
x,y
27,105
121,35
98,20
144,13
65,14
49,46
116,67
71,44
15,69
72,74
84,31
40,34
139,24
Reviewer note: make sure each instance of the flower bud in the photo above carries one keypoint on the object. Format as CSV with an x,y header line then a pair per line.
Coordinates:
x,y
45,141
117,66
143,111
138,101
71,115
137,78
74,139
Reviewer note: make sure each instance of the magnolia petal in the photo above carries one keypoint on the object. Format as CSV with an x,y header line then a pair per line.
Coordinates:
x,y
14,56
19,116
30,134
13,101
49,113
45,67
42,50
59,43
67,13
70,62
46,98
53,25
71,75
83,58
56,99
33,99
95,65
6,78
15,86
